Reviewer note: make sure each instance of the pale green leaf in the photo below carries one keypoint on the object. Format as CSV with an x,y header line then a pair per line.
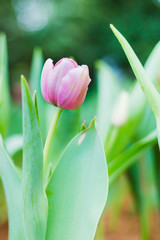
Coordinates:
x,y
34,200
146,85
35,81
129,156
139,117
13,191
78,188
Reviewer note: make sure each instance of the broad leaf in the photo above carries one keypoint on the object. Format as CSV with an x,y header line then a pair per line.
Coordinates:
x,y
78,189
34,199
13,191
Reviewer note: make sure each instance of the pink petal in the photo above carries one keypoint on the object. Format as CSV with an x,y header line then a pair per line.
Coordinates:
x,y
73,88
48,66
86,68
54,80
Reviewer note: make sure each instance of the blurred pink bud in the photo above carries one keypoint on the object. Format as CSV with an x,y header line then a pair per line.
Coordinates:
x,y
64,84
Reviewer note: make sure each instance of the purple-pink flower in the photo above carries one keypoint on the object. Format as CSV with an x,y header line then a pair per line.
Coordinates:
x,y
64,84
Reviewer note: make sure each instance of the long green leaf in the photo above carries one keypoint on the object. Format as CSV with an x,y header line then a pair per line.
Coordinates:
x,y
35,81
35,207
140,120
78,188
147,86
13,191
126,159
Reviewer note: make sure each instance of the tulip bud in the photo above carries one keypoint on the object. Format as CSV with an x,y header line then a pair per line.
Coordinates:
x,y
64,84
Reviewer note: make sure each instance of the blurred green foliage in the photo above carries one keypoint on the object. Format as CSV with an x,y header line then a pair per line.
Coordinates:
x,y
77,28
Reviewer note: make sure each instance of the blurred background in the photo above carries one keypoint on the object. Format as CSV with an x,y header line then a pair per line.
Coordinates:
x,y
78,28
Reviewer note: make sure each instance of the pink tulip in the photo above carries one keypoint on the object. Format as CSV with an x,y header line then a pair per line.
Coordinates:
x,y
64,84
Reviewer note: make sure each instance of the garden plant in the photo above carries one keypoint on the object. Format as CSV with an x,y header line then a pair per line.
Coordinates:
x,y
61,174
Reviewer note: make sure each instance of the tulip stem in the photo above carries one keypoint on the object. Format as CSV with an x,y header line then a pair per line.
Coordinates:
x,y
50,136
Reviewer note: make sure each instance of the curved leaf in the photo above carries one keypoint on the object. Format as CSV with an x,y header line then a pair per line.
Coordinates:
x,y
13,191
78,189
34,202
147,86
128,157
139,118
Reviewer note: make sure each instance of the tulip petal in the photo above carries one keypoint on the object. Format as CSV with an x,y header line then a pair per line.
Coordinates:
x,y
54,79
65,85
86,68
73,88
48,66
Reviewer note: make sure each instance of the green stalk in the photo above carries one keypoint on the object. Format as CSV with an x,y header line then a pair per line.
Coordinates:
x,y
50,136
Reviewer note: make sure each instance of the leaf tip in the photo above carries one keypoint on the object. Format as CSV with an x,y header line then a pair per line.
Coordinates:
x,y
111,25
22,79
34,94
114,30
83,126
93,123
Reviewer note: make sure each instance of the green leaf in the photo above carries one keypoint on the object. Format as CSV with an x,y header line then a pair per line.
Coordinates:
x,y
35,81
147,86
4,86
151,93
35,207
140,120
108,91
126,158
13,191
35,103
78,189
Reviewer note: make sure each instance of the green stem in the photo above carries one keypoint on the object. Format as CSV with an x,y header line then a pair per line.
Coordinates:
x,y
50,136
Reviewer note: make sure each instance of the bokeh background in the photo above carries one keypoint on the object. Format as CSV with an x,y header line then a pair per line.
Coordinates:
x,y
78,28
